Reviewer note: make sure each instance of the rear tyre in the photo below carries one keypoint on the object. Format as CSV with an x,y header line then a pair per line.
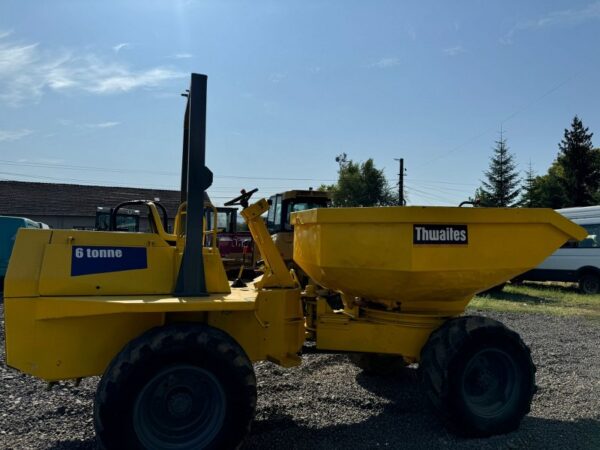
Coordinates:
x,y
181,387
589,283
479,375
377,363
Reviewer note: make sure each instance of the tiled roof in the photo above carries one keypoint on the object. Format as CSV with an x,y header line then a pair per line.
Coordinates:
x,y
20,198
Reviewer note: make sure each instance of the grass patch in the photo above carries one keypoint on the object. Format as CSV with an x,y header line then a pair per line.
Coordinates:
x,y
560,299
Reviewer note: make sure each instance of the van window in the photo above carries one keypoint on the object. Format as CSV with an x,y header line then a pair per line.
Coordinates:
x,y
591,241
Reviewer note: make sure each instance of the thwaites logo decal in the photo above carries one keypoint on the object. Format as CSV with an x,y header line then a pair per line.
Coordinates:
x,y
440,234
87,260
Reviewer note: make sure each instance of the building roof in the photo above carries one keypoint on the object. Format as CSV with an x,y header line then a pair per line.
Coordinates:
x,y
23,198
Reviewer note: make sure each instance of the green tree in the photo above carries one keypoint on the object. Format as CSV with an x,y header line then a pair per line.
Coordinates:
x,y
501,186
580,164
360,184
548,189
528,190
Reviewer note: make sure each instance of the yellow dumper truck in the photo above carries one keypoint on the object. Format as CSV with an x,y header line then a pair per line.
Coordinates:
x,y
154,314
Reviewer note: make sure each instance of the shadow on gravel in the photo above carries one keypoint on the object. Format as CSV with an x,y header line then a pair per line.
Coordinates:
x,y
521,298
407,421
88,444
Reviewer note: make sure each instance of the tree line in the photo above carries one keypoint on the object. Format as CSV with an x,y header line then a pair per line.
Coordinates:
x,y
573,178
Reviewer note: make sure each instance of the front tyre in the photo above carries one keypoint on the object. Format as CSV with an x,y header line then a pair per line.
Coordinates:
x,y
479,375
184,386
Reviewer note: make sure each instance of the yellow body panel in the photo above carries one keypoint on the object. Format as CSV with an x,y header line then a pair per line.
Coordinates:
x,y
41,265
399,333
73,337
23,273
370,253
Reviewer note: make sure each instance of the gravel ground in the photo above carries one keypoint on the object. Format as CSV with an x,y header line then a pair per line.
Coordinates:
x,y
327,403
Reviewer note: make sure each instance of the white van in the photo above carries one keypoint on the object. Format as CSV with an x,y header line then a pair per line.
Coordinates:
x,y
575,261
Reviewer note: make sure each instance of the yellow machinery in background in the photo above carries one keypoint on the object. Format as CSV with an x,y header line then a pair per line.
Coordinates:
x,y
155,316
279,218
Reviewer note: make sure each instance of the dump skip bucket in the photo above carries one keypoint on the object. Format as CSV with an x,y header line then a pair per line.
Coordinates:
x,y
423,258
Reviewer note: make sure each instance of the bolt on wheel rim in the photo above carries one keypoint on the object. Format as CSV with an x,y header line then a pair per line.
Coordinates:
x,y
181,407
490,383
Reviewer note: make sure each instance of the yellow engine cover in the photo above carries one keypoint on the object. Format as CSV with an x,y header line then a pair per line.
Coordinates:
x,y
71,262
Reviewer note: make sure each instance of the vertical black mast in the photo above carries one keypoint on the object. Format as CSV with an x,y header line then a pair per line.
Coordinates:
x,y
195,179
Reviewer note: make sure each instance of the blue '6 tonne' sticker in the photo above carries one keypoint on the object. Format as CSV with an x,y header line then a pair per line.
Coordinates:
x,y
86,260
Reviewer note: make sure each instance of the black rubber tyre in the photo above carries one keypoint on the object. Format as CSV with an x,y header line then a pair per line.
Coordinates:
x,y
377,363
178,387
589,283
479,375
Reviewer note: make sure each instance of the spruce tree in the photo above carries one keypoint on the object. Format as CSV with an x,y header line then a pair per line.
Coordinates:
x,y
580,165
528,191
501,186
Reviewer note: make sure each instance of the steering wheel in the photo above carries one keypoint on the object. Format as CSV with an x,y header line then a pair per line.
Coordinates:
x,y
241,200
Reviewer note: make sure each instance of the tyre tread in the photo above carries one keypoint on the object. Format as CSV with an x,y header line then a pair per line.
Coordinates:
x,y
443,347
157,341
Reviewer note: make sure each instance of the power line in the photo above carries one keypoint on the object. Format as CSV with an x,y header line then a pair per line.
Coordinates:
x,y
506,119
429,199
148,172
433,195
441,182
444,189
267,192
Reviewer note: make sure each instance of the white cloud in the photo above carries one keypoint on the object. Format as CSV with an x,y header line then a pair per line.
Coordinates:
x,y
566,17
4,34
103,125
385,63
13,135
41,161
182,56
116,79
117,48
14,57
315,69
27,72
453,51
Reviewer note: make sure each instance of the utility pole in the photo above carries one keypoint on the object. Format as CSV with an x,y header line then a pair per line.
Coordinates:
x,y
401,182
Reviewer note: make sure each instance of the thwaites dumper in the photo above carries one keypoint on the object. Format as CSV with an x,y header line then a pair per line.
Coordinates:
x,y
154,315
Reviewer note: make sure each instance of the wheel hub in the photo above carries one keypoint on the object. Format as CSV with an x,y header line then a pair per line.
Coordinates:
x,y
489,382
179,404
181,407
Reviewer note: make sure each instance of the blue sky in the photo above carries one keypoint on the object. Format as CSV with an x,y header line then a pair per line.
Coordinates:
x,y
88,89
